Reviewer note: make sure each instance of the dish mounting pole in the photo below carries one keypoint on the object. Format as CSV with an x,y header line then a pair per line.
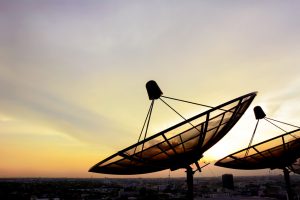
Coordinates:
x,y
190,179
286,173
190,182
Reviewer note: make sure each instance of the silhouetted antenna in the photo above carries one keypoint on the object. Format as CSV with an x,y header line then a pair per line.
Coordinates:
x,y
260,114
280,152
179,146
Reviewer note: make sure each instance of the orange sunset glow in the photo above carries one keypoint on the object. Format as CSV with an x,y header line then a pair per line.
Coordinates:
x,y
73,75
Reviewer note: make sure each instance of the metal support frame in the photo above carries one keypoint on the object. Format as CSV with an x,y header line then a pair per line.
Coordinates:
x,y
251,140
146,123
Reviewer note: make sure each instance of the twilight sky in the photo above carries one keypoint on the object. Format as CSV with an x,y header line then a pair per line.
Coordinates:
x,y
73,74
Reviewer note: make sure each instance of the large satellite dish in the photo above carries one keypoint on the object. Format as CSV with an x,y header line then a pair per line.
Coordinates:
x,y
178,146
280,152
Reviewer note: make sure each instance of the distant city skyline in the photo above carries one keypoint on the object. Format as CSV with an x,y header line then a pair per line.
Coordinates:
x,y
73,75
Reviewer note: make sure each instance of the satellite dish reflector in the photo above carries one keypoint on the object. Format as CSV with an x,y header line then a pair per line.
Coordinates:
x,y
276,153
178,146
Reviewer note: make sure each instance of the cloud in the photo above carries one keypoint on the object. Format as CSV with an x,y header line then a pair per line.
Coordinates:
x,y
36,106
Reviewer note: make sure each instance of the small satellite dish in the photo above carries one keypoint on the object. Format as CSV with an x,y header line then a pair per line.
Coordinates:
x,y
279,152
276,153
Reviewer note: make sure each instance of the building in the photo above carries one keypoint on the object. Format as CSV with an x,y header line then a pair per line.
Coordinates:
x,y
227,180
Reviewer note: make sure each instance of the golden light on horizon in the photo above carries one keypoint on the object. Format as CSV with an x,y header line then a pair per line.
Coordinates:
x,y
73,91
